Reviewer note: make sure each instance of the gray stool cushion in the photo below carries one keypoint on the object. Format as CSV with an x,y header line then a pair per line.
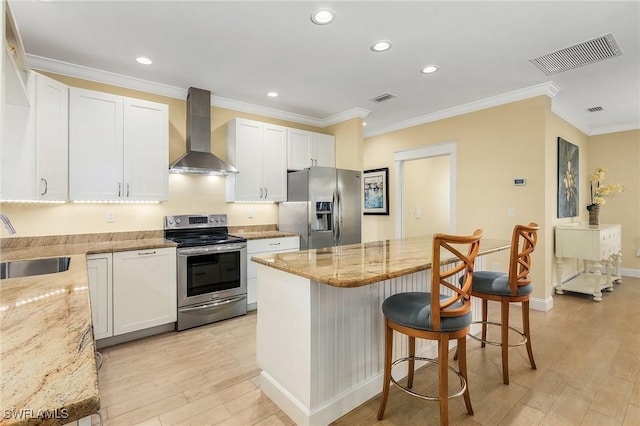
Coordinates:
x,y
414,310
496,283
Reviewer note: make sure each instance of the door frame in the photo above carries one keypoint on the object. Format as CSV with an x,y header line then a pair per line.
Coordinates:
x,y
427,151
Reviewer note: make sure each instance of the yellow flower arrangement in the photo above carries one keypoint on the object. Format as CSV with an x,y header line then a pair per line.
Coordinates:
x,y
599,191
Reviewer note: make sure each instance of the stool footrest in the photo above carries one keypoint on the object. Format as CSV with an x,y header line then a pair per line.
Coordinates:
x,y
491,342
463,382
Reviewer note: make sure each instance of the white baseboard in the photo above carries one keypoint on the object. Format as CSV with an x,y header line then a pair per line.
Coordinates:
x,y
544,305
628,272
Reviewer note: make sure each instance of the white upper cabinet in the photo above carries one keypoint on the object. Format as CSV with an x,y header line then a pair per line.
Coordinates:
x,y
258,151
146,150
118,148
323,148
35,144
52,139
308,149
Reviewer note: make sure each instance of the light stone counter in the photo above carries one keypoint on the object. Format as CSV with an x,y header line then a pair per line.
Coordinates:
x,y
361,264
48,369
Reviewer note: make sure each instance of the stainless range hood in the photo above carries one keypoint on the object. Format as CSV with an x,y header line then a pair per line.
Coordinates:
x,y
198,158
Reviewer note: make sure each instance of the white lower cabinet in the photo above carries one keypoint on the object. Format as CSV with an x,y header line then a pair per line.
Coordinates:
x,y
132,290
100,291
264,246
144,289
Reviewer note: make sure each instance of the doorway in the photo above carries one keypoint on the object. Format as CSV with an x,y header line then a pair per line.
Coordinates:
x,y
426,179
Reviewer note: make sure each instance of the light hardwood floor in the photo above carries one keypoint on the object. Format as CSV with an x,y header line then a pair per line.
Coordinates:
x,y
587,353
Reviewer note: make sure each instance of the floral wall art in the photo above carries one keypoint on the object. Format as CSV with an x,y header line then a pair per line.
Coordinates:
x,y
568,178
376,191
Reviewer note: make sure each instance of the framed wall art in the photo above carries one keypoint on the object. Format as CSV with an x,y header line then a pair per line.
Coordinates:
x,y
568,178
376,191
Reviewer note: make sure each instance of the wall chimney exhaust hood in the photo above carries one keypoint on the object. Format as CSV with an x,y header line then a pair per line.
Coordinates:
x,y
198,159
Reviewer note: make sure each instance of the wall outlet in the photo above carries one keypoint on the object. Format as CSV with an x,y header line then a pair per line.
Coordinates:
x,y
638,253
110,216
418,212
511,212
250,213
495,267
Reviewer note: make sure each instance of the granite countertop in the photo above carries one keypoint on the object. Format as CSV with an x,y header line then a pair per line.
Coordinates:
x,y
361,264
260,232
261,235
48,372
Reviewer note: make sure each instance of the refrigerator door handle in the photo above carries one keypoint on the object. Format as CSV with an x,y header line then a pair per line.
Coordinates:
x,y
334,231
338,214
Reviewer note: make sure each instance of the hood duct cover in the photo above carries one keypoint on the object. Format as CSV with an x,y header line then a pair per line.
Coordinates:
x,y
198,159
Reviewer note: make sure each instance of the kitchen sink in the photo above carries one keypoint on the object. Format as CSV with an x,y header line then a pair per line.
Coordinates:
x,y
27,268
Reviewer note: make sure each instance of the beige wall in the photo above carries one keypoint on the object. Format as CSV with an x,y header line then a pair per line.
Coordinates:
x,y
620,153
426,188
494,146
518,140
349,143
187,193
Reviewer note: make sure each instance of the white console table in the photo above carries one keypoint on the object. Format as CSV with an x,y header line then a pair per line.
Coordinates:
x,y
599,247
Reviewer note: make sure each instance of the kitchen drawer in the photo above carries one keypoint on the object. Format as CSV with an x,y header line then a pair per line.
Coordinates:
x,y
272,244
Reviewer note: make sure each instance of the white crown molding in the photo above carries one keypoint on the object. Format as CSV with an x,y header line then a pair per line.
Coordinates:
x,y
106,77
549,88
614,129
356,112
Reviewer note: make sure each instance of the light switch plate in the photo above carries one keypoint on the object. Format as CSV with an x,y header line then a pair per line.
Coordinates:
x,y
511,212
110,216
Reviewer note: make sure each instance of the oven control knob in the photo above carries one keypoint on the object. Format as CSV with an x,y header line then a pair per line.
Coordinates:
x,y
222,220
178,220
170,221
216,219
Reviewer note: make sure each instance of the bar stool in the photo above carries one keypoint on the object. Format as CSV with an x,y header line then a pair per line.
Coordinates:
x,y
509,288
435,316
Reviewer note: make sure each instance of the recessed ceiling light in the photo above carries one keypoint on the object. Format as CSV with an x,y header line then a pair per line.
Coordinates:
x,y
322,16
381,46
272,94
364,123
429,69
144,60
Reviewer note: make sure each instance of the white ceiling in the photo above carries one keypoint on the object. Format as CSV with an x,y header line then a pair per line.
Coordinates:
x,y
240,50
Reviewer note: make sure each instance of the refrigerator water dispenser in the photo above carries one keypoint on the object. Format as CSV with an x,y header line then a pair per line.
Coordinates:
x,y
324,211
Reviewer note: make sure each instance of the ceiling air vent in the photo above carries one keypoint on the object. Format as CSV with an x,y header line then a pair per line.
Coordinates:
x,y
595,109
383,97
587,52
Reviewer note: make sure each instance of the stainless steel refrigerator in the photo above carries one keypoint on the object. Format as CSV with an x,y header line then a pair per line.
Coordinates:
x,y
324,206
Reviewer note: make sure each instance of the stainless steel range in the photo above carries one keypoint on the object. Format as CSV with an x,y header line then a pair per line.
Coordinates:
x,y
212,282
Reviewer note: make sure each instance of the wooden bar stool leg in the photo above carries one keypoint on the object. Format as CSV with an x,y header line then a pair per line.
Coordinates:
x,y
504,341
527,332
388,349
443,373
412,362
462,366
485,318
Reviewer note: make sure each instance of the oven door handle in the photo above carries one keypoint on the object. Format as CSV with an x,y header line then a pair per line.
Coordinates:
x,y
211,249
213,305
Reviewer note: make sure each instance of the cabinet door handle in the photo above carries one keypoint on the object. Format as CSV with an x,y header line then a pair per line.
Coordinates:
x,y
146,253
127,190
274,244
266,193
260,196
119,189
46,186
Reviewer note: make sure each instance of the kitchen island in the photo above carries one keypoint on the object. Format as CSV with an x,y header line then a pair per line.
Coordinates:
x,y
320,325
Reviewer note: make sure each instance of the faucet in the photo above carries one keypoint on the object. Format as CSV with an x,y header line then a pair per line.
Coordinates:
x,y
7,224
